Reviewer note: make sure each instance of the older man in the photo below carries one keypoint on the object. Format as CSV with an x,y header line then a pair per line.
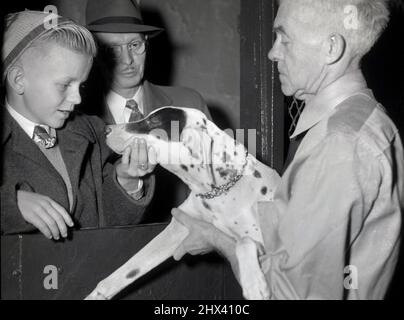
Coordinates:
x,y
123,39
333,229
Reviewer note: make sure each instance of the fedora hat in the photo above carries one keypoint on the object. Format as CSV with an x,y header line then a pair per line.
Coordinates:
x,y
117,16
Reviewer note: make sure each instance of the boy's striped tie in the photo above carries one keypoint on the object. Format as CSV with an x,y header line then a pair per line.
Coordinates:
x,y
42,137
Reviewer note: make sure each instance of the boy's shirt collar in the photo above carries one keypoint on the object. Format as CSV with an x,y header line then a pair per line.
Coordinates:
x,y
116,104
27,125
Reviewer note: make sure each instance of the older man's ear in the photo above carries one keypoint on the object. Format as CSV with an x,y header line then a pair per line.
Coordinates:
x,y
335,46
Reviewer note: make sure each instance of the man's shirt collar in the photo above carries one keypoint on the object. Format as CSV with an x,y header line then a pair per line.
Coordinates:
x,y
116,104
326,100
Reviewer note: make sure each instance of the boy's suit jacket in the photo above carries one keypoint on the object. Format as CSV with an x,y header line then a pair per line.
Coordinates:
x,y
98,199
170,191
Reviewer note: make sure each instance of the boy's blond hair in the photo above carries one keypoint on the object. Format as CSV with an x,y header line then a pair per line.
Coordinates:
x,y
28,29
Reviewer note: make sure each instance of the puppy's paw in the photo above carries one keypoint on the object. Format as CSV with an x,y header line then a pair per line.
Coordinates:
x,y
255,287
99,293
95,295
252,279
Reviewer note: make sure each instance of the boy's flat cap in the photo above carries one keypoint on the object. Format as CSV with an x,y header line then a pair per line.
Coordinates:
x,y
22,29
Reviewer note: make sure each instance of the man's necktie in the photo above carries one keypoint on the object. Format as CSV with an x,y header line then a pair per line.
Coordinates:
x,y
295,110
135,113
42,138
293,146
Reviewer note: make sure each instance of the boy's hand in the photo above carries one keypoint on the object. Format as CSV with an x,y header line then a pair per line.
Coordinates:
x,y
137,161
44,213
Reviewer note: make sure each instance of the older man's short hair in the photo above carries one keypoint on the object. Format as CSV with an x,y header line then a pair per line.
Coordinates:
x,y
361,22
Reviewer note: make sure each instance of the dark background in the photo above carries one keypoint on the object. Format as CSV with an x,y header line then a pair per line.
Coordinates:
x,y
383,68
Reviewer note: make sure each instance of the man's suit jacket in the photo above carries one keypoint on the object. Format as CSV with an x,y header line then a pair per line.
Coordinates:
x,y
99,201
170,191
156,97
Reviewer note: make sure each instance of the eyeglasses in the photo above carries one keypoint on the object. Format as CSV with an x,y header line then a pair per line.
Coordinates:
x,y
137,47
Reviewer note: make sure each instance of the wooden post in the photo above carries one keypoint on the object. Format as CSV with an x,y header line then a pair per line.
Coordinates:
x,y
262,102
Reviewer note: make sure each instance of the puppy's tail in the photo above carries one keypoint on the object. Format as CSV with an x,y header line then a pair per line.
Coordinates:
x,y
154,253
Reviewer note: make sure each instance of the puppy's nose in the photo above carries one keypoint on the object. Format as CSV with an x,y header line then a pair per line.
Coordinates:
x,y
107,131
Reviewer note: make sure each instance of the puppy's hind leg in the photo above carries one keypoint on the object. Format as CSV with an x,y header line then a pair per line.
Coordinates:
x,y
252,279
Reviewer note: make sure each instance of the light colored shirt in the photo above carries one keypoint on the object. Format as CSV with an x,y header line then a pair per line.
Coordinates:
x,y
27,125
333,230
116,105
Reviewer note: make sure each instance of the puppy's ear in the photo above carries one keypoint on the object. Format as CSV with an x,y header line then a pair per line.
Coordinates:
x,y
169,120
15,79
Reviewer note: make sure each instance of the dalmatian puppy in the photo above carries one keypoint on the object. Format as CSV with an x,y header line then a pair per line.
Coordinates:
x,y
227,185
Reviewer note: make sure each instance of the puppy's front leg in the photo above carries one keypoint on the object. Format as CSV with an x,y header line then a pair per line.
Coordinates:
x,y
252,279
155,252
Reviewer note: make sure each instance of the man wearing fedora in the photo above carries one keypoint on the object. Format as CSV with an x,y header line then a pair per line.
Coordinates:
x,y
123,37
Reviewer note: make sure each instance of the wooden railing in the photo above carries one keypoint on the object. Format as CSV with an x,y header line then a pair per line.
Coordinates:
x,y
33,267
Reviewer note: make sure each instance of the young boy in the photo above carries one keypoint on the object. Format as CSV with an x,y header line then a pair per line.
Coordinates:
x,y
55,171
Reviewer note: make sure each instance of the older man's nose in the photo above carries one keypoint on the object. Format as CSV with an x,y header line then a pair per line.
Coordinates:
x,y
271,54
275,54
107,130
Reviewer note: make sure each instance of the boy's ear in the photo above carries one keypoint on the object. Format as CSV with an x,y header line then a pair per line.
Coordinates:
x,y
15,78
335,46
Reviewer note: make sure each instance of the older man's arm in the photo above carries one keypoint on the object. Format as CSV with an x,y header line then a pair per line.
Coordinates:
x,y
341,222
203,238
323,237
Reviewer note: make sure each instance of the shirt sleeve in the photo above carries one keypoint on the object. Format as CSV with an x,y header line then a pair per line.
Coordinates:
x,y
137,193
326,236
12,220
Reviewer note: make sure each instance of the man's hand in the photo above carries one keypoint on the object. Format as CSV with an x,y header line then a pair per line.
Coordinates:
x,y
200,235
44,213
204,237
137,161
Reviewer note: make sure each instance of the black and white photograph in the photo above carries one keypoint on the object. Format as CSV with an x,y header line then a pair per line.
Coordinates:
x,y
217,152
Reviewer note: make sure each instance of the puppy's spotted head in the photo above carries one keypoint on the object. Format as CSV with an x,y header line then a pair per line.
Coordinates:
x,y
187,144
164,124
164,120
